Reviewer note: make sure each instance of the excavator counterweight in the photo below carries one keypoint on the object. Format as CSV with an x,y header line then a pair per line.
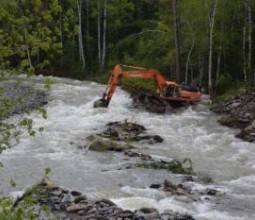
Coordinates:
x,y
167,90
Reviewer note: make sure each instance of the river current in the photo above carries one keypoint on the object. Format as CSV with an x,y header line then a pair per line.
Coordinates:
x,y
191,133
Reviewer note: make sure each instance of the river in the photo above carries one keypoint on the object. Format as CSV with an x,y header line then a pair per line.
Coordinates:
x,y
192,132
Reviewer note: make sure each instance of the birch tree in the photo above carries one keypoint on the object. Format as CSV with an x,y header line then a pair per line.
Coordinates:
x,y
102,34
81,50
249,26
211,15
244,51
188,59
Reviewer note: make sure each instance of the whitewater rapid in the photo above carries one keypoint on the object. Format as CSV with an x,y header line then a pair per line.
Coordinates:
x,y
191,133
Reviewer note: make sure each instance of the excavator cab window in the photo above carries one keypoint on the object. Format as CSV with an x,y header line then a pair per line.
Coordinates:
x,y
170,91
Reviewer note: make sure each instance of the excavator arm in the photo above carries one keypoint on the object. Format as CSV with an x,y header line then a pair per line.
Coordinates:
x,y
134,72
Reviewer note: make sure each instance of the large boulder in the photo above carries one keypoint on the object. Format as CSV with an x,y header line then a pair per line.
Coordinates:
x,y
128,132
239,112
102,144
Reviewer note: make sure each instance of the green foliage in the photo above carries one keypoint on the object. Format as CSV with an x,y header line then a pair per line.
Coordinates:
x,y
225,83
8,213
227,88
14,103
30,42
36,35
132,85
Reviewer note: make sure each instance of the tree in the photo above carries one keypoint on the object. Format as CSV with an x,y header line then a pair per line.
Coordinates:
x,y
211,7
80,37
176,22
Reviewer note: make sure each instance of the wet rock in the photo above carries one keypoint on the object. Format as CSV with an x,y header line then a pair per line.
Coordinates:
x,y
75,193
169,186
171,215
49,184
118,135
155,186
107,202
132,153
146,213
248,133
56,192
79,199
126,126
100,144
181,191
65,208
188,178
75,207
173,166
211,192
158,139
239,112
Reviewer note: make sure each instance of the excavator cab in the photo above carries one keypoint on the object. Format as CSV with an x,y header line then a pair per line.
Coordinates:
x,y
170,89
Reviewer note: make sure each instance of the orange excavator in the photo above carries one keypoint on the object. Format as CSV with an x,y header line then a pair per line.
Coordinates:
x,y
167,90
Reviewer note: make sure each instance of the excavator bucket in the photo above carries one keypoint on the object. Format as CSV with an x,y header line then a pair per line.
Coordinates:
x,y
101,103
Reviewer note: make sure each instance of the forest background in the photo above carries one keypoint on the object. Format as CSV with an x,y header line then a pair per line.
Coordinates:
x,y
209,43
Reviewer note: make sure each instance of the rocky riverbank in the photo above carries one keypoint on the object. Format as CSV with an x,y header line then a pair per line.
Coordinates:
x,y
18,97
49,201
239,112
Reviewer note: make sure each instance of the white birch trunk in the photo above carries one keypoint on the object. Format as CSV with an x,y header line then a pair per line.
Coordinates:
x,y
220,53
211,22
188,60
